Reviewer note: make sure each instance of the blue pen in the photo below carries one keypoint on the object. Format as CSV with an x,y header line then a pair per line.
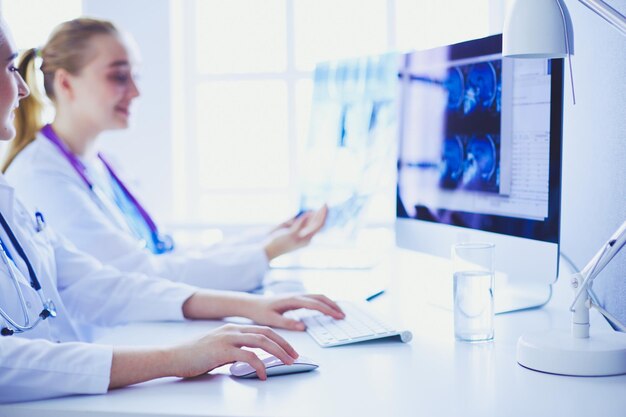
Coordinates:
x,y
375,295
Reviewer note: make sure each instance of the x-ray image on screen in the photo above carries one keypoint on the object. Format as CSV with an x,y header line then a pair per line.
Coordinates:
x,y
470,162
352,137
462,122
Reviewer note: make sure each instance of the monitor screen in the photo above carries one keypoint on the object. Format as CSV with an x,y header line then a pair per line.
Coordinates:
x,y
477,146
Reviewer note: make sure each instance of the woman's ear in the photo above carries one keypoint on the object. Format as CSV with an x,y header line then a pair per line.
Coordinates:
x,y
63,85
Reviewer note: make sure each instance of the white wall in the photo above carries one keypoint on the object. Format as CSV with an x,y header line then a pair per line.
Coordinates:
x,y
593,203
594,149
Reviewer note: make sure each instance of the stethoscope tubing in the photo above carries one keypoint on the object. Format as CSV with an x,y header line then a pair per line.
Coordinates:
x,y
20,294
49,309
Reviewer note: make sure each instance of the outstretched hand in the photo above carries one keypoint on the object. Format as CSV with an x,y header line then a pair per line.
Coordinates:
x,y
295,233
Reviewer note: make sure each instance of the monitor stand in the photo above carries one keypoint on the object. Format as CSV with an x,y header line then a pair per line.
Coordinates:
x,y
507,298
512,298
437,279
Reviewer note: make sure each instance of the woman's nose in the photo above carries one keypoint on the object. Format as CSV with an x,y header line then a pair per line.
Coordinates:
x,y
22,88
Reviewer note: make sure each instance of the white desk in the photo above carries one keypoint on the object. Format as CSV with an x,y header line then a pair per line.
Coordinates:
x,y
431,376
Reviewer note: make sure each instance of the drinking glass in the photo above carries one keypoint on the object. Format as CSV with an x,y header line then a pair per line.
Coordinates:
x,y
473,283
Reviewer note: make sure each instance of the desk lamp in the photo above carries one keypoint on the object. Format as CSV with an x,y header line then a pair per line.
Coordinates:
x,y
577,352
538,29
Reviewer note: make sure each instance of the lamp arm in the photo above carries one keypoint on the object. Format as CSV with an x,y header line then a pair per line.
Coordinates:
x,y
584,279
608,13
608,316
613,246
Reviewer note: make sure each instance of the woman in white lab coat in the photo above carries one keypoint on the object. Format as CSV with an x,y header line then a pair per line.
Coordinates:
x,y
87,72
49,292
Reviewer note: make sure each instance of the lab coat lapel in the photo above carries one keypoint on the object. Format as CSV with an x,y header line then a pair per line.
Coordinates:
x,y
7,199
23,226
7,208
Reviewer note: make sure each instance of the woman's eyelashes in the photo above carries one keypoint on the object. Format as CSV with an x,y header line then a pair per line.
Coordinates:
x,y
121,78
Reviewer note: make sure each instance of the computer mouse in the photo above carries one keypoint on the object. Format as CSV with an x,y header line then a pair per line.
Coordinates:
x,y
273,366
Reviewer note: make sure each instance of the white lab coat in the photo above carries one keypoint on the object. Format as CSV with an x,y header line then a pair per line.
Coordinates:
x,y
33,364
47,182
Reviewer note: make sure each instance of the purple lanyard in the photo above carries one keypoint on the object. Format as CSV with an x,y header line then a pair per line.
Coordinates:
x,y
144,214
81,170
78,166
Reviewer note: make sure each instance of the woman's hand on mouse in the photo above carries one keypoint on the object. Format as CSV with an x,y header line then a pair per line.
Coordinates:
x,y
223,345
265,310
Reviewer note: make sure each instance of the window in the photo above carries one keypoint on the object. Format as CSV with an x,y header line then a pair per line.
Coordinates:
x,y
241,88
246,90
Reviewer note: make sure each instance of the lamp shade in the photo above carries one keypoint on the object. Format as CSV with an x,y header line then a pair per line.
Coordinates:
x,y
534,29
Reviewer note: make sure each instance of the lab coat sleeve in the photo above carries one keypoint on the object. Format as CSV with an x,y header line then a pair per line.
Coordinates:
x,y
38,369
68,205
237,268
102,295
251,236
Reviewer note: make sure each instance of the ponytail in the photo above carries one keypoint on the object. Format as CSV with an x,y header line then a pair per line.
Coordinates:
x,y
28,116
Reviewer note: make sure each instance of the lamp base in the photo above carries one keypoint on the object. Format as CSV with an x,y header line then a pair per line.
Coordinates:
x,y
557,352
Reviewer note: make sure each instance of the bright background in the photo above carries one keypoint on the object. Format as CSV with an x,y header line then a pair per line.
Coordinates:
x,y
226,89
226,95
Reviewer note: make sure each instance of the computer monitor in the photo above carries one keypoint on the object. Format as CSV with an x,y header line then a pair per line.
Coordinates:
x,y
480,160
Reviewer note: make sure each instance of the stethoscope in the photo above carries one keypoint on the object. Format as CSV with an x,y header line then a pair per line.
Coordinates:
x,y
49,309
161,243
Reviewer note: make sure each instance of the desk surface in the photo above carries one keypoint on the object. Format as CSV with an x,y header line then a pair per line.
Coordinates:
x,y
431,376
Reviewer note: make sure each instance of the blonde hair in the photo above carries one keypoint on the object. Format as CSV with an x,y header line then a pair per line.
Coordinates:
x,y
68,49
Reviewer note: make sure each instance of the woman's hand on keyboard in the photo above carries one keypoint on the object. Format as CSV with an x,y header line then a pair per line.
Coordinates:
x,y
266,310
270,310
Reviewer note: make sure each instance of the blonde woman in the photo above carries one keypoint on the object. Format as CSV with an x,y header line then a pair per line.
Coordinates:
x,y
88,76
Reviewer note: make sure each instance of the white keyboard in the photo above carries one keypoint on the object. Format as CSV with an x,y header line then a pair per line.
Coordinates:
x,y
358,326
